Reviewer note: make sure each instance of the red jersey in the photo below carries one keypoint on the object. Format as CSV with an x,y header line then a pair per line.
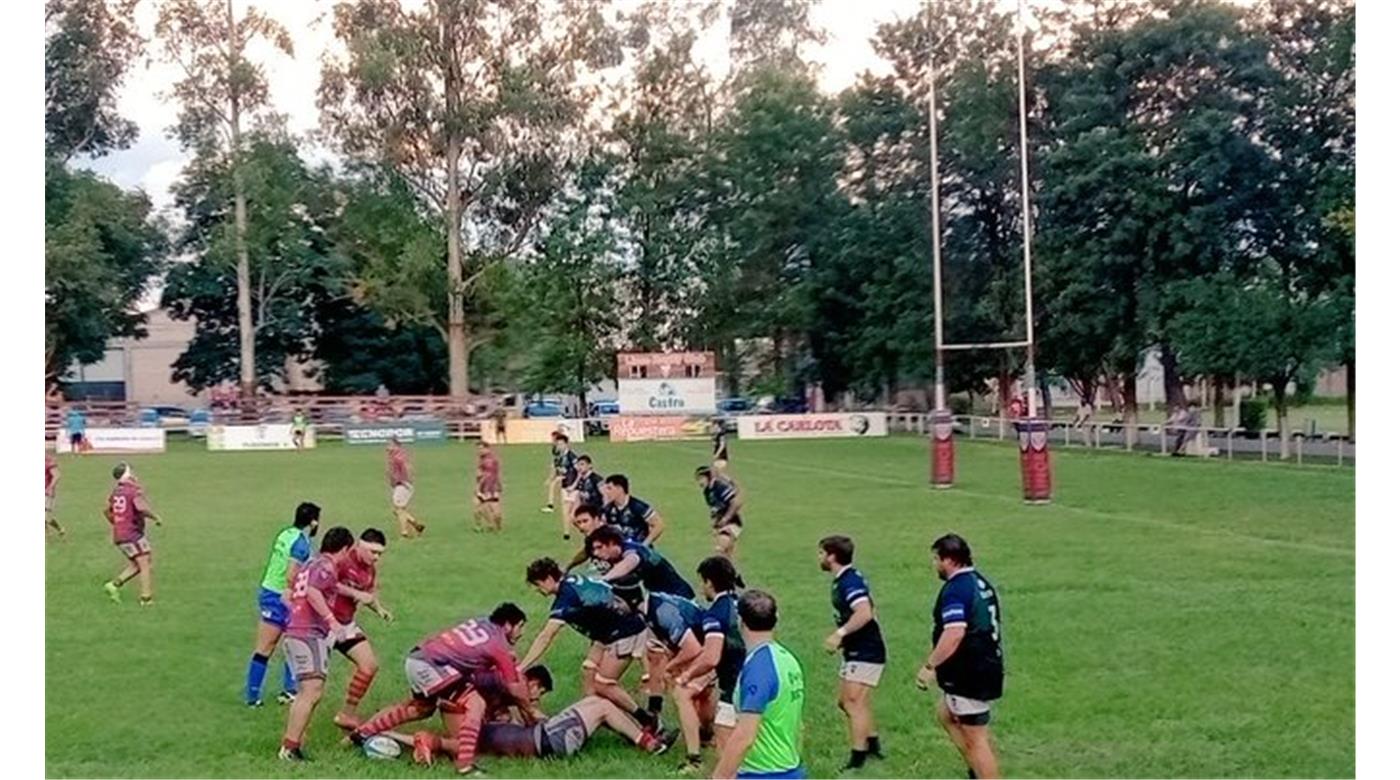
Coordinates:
x,y
128,522
398,467
320,574
488,473
50,474
473,646
357,574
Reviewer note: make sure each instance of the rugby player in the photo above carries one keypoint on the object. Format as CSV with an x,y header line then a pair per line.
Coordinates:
x,y
677,623
299,424
719,438
358,574
400,473
50,492
720,658
561,735
635,517
310,628
862,646
966,659
589,485
587,519
291,548
128,510
724,499
565,465
488,488
631,566
440,671
591,608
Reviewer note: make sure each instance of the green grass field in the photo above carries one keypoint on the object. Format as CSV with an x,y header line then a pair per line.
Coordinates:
x,y
1163,618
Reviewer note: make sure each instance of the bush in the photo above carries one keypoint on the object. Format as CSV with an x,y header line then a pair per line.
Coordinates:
x,y
960,405
1254,413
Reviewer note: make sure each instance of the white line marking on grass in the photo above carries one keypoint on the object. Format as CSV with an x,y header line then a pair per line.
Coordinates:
x,y
1098,513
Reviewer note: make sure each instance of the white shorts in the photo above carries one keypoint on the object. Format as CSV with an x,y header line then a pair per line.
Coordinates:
x,y
401,495
48,503
732,530
307,656
973,712
570,496
634,646
726,715
862,672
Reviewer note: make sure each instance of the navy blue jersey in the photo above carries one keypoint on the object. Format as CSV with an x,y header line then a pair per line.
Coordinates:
x,y
653,572
566,466
590,489
722,618
865,643
719,496
630,518
975,669
720,440
592,609
670,618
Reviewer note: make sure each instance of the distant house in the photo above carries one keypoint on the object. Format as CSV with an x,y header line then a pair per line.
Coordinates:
x,y
138,370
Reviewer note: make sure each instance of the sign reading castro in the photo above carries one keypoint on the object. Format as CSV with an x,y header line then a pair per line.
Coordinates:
x,y
681,395
427,431
813,426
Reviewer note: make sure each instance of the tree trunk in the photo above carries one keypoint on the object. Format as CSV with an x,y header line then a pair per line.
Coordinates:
x,y
1217,400
456,305
1351,398
1171,379
247,357
1130,410
1281,409
1003,391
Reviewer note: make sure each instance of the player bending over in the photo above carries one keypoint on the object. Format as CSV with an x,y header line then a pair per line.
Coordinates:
x,y
127,510
358,585
488,488
290,550
592,608
440,671
720,658
724,499
309,630
400,472
676,623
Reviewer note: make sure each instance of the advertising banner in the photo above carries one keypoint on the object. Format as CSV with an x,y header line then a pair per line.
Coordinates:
x,y
813,426
276,436
657,428
536,431
429,431
116,440
666,396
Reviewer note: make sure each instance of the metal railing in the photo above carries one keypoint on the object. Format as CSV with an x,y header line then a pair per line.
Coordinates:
x,y
1198,441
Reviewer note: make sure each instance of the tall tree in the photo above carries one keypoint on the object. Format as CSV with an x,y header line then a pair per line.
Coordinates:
x,y
291,266
475,105
101,251
88,47
221,93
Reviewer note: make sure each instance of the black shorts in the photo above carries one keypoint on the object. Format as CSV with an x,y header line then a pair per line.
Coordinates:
x,y
75,438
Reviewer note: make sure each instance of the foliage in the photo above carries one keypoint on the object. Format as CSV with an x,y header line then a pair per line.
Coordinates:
x,y
1254,414
89,45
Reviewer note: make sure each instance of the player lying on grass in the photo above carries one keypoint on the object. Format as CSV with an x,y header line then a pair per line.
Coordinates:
x,y
719,660
564,734
440,671
128,510
592,608
291,549
358,585
306,641
487,500
724,499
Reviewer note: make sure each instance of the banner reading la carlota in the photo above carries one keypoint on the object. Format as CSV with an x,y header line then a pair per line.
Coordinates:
x,y
426,431
116,440
656,428
813,426
276,436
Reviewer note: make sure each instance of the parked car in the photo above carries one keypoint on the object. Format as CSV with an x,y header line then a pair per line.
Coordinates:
x,y
782,405
199,422
598,414
538,409
164,417
734,405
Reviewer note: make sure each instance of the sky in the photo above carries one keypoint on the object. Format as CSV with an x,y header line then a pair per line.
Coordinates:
x,y
154,162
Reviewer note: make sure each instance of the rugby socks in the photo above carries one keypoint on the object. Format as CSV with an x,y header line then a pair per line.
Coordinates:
x,y
359,684
857,759
468,732
387,719
289,680
257,672
872,747
654,704
646,719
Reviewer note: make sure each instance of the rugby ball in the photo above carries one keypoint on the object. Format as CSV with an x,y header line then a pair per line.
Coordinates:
x,y
382,747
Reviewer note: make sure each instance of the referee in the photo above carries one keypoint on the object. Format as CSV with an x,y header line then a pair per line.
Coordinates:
x,y
767,739
966,658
